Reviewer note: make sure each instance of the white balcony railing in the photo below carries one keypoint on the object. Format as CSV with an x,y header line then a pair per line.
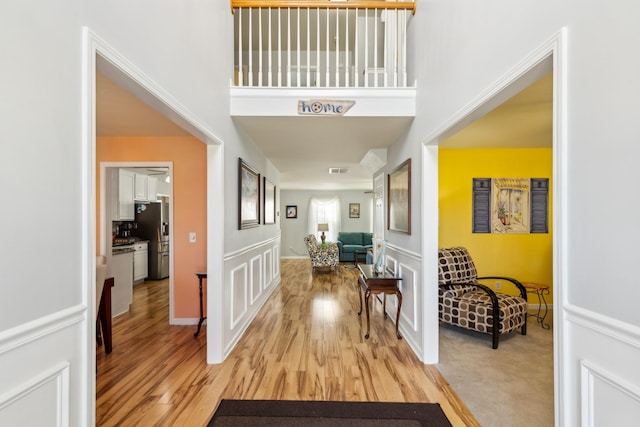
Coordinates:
x,y
321,44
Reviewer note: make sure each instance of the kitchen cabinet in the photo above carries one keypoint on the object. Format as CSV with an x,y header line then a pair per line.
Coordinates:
x,y
141,187
122,187
152,188
140,261
146,188
122,292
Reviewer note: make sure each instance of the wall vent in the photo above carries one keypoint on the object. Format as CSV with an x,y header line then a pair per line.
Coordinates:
x,y
333,171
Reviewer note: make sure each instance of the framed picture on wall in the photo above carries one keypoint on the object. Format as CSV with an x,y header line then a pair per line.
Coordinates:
x,y
248,196
269,208
399,198
354,210
292,211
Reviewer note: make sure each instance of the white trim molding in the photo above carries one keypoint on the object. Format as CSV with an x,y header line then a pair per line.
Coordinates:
x,y
607,398
29,332
58,377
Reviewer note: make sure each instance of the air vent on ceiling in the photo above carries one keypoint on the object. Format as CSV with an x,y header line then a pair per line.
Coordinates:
x,y
333,171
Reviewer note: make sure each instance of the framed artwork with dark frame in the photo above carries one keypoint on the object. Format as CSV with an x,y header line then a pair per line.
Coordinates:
x,y
269,208
292,211
354,210
248,196
399,198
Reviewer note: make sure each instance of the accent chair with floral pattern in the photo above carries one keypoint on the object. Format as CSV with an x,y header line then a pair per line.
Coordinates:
x,y
322,256
464,302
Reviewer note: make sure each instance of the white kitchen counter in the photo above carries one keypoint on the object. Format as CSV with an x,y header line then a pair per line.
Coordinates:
x,y
122,292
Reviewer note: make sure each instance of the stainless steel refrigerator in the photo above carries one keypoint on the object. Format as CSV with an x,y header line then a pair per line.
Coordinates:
x,y
153,225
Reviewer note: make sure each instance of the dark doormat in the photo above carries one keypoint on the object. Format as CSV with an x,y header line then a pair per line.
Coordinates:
x,y
290,413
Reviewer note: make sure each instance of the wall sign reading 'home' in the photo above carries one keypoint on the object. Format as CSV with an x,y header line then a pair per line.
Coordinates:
x,y
317,107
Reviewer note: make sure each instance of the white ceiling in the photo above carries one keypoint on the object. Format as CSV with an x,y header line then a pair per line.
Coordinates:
x,y
525,120
304,148
120,113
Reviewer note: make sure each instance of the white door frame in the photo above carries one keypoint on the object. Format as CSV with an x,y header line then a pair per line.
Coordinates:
x,y
550,56
98,54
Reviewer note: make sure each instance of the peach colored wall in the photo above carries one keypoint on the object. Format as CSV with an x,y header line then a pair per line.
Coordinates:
x,y
189,201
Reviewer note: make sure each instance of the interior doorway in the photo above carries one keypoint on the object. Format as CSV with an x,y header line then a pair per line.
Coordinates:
x,y
116,234
102,58
549,58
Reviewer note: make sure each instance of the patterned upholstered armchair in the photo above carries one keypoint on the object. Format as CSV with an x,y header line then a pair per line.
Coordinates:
x,y
464,302
322,256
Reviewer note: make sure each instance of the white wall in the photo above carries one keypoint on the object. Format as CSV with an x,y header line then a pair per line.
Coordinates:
x,y
465,47
44,355
294,230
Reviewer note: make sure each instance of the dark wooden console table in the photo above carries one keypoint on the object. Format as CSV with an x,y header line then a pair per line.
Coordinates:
x,y
202,316
385,283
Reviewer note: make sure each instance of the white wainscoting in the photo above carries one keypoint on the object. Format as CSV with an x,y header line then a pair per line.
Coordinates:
x,y
407,265
256,278
48,391
37,360
603,355
251,275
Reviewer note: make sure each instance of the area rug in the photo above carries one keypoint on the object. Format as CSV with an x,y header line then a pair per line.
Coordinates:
x,y
296,413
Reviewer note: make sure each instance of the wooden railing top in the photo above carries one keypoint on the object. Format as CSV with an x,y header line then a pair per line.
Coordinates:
x,y
324,4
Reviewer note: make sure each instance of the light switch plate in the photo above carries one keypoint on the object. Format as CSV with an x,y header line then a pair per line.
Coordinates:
x,y
192,237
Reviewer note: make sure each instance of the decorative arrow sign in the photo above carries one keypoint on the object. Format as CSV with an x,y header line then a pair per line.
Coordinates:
x,y
324,107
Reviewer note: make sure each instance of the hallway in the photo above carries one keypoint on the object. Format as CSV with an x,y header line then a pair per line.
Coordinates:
x,y
305,344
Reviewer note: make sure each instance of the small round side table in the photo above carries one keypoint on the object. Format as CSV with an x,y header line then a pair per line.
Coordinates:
x,y
541,291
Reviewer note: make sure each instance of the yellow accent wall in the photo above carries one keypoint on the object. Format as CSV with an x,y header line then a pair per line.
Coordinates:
x,y
526,257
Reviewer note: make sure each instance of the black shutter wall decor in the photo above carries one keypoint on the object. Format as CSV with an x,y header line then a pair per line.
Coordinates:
x,y
481,205
539,205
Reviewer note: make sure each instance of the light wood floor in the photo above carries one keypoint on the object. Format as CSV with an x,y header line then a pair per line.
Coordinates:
x,y
305,344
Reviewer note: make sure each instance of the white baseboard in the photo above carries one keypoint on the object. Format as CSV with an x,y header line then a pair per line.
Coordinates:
x,y
185,321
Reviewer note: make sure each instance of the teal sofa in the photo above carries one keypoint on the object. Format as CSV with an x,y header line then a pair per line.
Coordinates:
x,y
350,242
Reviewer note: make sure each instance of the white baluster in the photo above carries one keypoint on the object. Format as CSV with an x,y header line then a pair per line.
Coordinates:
x,y
356,76
308,47
404,48
240,73
346,49
366,47
270,69
250,47
260,83
376,22
279,47
326,83
288,47
337,47
317,47
298,50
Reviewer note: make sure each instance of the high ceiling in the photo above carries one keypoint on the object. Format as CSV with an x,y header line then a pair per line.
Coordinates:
x,y
304,148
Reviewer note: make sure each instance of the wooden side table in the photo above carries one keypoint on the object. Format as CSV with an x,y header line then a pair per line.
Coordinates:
x,y
541,291
356,254
372,283
202,316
